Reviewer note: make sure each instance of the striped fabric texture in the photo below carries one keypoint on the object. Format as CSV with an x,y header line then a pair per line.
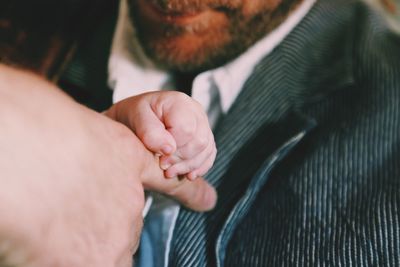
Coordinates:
x,y
308,170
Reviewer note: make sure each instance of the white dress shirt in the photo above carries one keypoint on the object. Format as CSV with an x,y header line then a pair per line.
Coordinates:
x,y
132,73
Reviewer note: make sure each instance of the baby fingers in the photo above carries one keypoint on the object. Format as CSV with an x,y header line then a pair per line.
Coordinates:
x,y
193,167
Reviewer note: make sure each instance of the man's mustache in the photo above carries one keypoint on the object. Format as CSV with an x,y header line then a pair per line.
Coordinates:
x,y
184,6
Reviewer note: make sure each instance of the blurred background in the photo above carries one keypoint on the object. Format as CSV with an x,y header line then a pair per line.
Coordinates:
x,y
40,35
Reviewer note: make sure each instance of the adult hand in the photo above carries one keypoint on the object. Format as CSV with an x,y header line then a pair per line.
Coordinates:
x,y
72,180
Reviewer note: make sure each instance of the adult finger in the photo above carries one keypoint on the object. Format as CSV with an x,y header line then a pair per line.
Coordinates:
x,y
197,195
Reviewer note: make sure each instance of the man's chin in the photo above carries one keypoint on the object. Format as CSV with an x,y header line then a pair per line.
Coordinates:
x,y
187,55
190,63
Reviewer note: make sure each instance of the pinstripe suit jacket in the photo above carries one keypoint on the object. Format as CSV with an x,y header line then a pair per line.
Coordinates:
x,y
308,170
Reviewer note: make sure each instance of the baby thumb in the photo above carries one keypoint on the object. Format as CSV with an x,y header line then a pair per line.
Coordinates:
x,y
152,132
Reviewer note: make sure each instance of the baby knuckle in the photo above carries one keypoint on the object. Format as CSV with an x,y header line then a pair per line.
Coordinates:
x,y
188,131
202,143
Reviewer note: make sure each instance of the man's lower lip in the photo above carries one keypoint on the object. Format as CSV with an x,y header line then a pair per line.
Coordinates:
x,y
173,17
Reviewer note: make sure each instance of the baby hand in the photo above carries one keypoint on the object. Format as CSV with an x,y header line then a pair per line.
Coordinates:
x,y
172,125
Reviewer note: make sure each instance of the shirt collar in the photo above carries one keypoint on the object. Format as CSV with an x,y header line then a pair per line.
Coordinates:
x,y
131,73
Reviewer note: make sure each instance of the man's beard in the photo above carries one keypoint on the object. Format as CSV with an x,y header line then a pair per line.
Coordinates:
x,y
209,52
193,5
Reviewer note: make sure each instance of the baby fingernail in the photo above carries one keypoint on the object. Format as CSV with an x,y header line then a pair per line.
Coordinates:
x,y
167,149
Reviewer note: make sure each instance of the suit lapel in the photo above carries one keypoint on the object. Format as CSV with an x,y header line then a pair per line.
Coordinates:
x,y
263,99
258,131
274,142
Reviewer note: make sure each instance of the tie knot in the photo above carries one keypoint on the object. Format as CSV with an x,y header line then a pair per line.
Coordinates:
x,y
184,82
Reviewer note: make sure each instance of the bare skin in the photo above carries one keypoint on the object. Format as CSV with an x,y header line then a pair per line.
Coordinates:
x,y
172,125
73,180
